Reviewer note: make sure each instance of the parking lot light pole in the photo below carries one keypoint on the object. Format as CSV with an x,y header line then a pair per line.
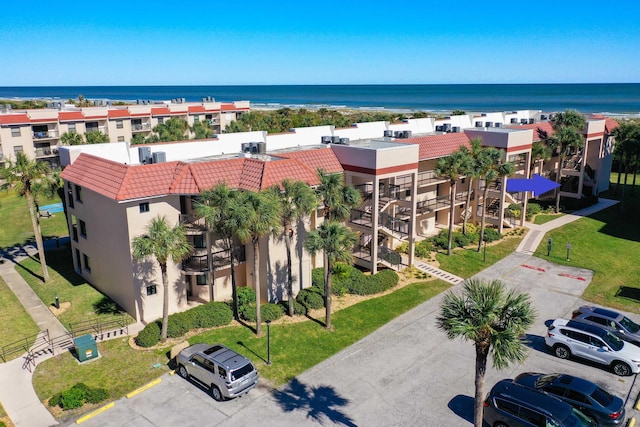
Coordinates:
x,y
268,322
568,250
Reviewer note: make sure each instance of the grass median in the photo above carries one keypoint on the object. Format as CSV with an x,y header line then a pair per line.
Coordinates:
x,y
15,322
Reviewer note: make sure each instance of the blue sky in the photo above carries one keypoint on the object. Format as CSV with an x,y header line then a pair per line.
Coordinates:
x,y
53,43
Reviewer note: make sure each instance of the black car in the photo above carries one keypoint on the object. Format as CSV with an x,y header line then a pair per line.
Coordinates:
x,y
590,398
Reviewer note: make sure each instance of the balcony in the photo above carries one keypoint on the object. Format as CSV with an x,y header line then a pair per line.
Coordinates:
x,y
192,223
360,217
440,202
429,178
46,152
51,134
196,264
140,127
395,224
102,129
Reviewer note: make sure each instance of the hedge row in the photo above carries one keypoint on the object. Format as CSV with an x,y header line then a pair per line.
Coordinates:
x,y
77,396
203,316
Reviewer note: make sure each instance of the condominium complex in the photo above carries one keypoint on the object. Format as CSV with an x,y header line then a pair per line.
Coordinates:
x,y
37,132
113,193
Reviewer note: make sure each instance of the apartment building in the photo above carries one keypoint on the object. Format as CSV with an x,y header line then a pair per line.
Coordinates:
x,y
37,132
112,193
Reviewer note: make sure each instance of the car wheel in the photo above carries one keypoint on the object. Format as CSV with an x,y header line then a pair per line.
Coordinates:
x,y
182,371
621,368
216,394
562,351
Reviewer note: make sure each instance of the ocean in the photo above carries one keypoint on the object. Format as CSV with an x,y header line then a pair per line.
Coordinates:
x,y
613,99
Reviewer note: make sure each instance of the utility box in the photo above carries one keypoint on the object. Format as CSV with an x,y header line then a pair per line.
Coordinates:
x,y
86,348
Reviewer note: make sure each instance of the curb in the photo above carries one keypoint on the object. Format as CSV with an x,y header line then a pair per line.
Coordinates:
x,y
94,413
143,388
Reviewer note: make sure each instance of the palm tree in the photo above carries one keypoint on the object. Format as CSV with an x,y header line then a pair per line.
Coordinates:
x,y
491,168
452,168
337,199
218,206
336,242
472,172
260,214
494,320
162,242
202,130
71,138
540,152
297,200
566,134
23,175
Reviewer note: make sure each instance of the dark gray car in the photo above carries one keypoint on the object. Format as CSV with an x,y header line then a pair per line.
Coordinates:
x,y
224,372
613,321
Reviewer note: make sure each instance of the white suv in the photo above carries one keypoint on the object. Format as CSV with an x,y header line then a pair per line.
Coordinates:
x,y
570,337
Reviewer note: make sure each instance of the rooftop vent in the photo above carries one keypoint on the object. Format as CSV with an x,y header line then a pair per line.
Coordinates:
x,y
514,120
388,133
455,129
532,121
524,121
543,117
326,139
497,124
488,124
159,157
439,128
478,124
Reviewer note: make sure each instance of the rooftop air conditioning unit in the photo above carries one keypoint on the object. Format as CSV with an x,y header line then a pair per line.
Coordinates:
x,y
262,147
514,120
483,114
532,121
397,134
524,121
344,141
326,139
388,133
478,124
246,147
144,154
488,124
447,127
552,116
407,134
497,124
335,139
543,117
439,128
455,129
159,157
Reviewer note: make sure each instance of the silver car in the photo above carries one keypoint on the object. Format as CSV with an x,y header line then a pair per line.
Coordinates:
x,y
613,321
224,372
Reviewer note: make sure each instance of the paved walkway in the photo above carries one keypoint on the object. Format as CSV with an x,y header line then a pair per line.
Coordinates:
x,y
16,393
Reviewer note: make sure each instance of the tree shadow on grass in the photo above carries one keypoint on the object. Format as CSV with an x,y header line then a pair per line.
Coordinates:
x,y
107,306
629,293
463,407
319,402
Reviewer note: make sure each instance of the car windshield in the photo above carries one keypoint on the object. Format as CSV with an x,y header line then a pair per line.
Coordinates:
x,y
629,325
614,342
602,397
544,380
239,373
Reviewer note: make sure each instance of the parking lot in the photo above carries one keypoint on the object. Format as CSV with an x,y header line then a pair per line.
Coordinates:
x,y
405,373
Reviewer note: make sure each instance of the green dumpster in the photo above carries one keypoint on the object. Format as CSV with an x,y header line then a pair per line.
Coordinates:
x,y
86,348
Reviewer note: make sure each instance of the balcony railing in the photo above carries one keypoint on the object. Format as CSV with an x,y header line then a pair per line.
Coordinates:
x,y
44,152
440,202
223,258
102,129
394,224
428,177
45,134
140,127
192,222
196,264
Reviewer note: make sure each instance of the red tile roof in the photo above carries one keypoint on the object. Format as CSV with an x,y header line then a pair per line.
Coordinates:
x,y
232,107
160,111
196,109
126,182
70,115
45,120
611,124
435,146
14,119
113,114
543,126
321,158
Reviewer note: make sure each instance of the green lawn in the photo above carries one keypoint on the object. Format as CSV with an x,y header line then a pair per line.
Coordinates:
x,y
86,301
608,243
294,346
21,231
542,218
15,322
465,262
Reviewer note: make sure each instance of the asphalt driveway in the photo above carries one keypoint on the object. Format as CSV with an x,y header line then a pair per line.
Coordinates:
x,y
404,374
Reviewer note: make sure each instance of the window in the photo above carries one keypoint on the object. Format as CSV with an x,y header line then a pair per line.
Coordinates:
x,y
222,372
199,241
15,131
144,207
201,280
74,228
119,124
83,229
17,149
152,290
596,319
160,120
533,417
578,397
78,260
121,139
507,406
196,119
87,262
78,193
72,127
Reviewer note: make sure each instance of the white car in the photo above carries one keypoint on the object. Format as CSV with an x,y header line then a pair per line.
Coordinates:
x,y
572,338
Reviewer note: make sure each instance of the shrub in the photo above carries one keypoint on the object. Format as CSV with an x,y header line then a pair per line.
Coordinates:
x,y
403,248
150,335
246,295
472,228
96,395
317,277
72,398
491,235
55,400
311,298
179,324
441,240
423,249
461,240
298,309
271,311
77,396
248,312
532,209
213,314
